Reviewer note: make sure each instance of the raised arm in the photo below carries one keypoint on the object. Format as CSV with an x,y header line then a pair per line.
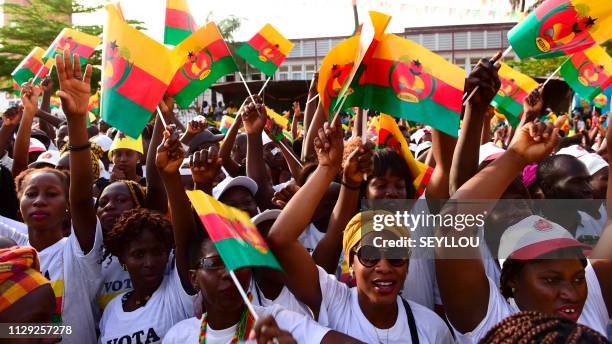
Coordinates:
x,y
205,165
532,106
10,120
320,116
29,98
302,277
295,167
232,167
47,124
168,161
74,93
465,157
297,116
438,188
254,118
194,127
156,193
460,273
328,250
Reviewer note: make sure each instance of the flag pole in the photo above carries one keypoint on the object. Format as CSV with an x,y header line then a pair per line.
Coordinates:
x,y
312,99
364,126
161,117
554,73
40,70
504,54
244,296
264,86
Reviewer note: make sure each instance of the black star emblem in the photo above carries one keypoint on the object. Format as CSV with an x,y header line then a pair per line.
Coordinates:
x,y
276,45
590,22
334,67
417,63
113,45
191,54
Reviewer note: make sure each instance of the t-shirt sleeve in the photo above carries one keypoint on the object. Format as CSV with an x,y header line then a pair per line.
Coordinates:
x,y
85,265
335,299
302,328
177,294
10,232
497,310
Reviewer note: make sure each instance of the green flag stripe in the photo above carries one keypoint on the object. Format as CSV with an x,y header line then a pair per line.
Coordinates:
x,y
247,52
237,254
23,75
174,36
123,114
570,75
509,107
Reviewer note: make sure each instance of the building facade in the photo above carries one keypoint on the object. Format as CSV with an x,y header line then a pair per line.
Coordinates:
x,y
463,45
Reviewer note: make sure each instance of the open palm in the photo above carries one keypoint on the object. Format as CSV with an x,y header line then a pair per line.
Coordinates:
x,y
75,88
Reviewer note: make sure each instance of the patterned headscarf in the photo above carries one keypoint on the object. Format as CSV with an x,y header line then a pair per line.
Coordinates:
x,y
19,274
96,154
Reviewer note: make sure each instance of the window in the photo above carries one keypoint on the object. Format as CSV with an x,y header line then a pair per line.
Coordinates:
x,y
493,39
297,50
461,40
476,40
308,48
414,38
429,41
256,76
283,73
322,47
460,62
445,41
230,78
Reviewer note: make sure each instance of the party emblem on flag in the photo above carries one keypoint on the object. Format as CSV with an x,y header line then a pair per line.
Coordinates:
x,y
75,42
198,65
410,81
508,88
564,27
117,65
338,76
591,75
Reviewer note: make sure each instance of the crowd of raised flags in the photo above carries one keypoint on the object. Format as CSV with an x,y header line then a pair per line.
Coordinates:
x,y
392,78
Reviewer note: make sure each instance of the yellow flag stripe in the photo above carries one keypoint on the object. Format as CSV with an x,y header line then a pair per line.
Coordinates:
x,y
180,5
199,39
146,53
523,81
599,56
273,36
205,204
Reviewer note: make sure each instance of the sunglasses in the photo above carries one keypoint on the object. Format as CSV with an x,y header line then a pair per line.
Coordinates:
x,y
211,263
369,256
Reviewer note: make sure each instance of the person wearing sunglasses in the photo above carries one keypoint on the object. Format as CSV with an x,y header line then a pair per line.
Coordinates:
x,y
373,311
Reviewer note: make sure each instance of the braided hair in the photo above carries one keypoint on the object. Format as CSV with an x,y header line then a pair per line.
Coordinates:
x,y
129,227
534,327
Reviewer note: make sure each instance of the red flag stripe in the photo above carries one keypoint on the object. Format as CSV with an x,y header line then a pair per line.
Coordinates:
x,y
218,49
132,88
258,42
180,20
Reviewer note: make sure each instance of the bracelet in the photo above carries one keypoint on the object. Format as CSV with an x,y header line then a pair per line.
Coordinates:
x,y
73,148
350,187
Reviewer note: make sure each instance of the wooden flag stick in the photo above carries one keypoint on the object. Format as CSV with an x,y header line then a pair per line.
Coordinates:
x,y
554,73
364,128
506,52
40,70
244,296
161,117
264,86
312,99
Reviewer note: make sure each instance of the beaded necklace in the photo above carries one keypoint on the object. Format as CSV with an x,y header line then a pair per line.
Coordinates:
x,y
242,330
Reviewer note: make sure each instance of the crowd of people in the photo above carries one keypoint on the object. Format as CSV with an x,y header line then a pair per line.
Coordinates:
x,y
97,232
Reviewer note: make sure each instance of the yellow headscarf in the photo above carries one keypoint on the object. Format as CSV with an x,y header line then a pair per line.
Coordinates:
x,y
362,224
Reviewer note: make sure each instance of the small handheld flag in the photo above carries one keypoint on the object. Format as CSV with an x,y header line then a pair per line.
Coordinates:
x,y
266,50
588,72
76,42
515,87
179,22
29,67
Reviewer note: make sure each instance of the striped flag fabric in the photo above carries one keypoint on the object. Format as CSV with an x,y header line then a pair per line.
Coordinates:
x,y
562,27
226,123
234,235
76,42
389,135
588,72
207,60
405,80
266,50
29,67
179,22
136,72
515,86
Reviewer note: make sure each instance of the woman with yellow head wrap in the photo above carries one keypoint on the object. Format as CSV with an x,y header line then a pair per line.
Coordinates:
x,y
373,311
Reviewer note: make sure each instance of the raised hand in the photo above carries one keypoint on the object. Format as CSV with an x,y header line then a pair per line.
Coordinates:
x,y
358,163
282,197
47,84
534,141
266,331
297,111
484,75
276,131
117,174
533,104
329,145
254,116
196,126
170,152
205,165
166,105
75,88
29,98
12,117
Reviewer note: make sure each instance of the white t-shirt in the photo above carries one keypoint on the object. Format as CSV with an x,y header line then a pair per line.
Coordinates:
x,y
286,299
168,305
340,311
15,230
75,278
310,237
115,281
302,328
594,314
589,226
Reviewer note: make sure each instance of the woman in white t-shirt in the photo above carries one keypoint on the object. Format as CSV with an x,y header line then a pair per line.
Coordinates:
x,y
372,311
226,318
543,266
72,263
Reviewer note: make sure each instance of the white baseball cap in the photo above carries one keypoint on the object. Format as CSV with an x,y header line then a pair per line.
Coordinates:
x,y
230,182
418,135
573,150
534,237
422,147
103,141
489,151
36,146
268,214
47,158
593,161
